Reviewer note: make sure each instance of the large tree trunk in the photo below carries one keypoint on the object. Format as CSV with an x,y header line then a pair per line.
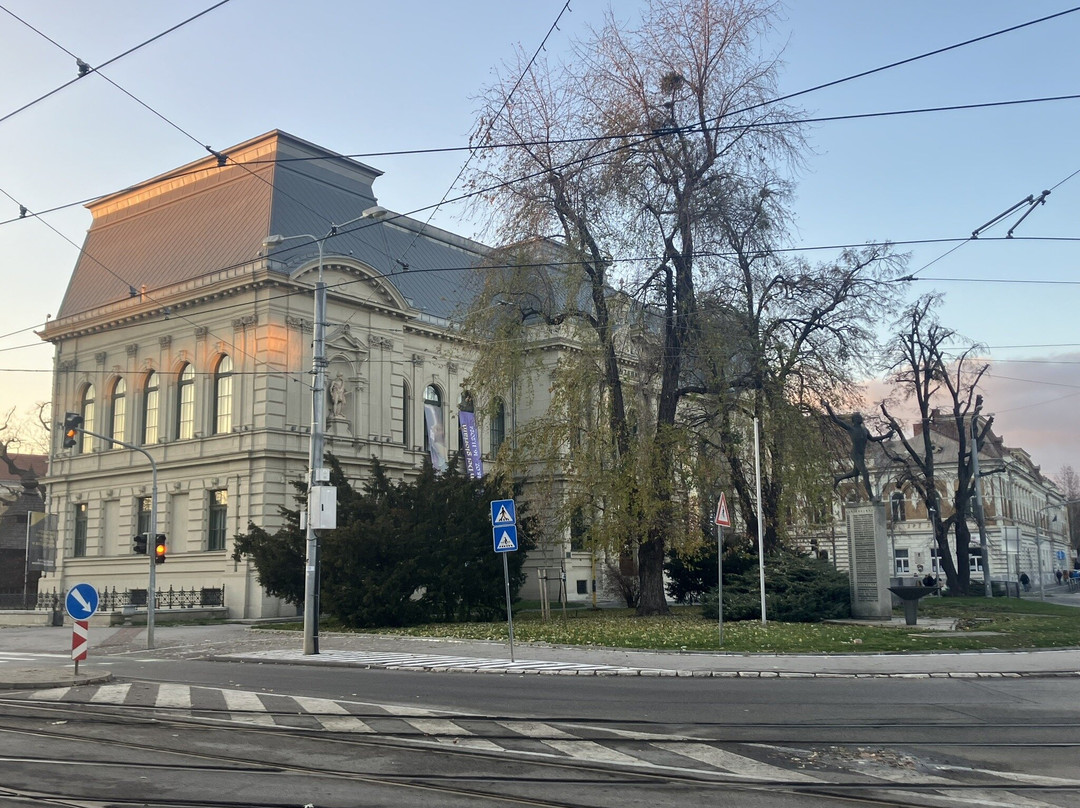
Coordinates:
x,y
651,599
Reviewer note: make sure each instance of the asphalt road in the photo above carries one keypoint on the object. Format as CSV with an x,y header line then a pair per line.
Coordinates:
x,y
172,725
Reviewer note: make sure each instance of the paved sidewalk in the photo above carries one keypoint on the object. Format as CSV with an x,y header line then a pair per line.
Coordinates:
x,y
32,657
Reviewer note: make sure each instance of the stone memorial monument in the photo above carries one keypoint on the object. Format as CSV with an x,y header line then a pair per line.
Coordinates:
x,y
868,546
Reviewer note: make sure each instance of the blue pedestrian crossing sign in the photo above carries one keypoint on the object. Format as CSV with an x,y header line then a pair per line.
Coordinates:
x,y
503,512
505,538
81,601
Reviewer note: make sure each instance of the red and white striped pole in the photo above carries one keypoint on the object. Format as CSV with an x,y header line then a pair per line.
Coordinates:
x,y
79,642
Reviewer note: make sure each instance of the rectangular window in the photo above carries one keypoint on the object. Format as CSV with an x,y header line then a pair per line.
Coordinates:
x,y
582,586
935,560
142,515
903,564
81,524
219,514
975,562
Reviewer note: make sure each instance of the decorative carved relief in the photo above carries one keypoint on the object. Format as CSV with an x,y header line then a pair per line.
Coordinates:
x,y
241,322
100,356
67,364
165,342
381,342
132,348
201,331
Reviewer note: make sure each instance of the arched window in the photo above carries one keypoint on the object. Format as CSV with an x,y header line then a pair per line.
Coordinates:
x,y
118,411
151,400
223,396
185,404
498,426
406,414
435,433
86,407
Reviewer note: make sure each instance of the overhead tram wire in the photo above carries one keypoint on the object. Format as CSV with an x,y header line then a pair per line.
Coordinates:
x,y
365,155
471,148
477,147
119,56
222,158
632,259
490,125
802,92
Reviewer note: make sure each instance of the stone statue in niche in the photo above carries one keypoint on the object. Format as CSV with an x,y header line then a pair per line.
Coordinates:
x,y
337,397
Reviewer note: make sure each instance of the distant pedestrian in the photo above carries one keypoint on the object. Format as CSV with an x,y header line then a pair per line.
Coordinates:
x,y
1057,574
1025,581
929,580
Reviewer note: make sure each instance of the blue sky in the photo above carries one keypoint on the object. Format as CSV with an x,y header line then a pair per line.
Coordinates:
x,y
365,77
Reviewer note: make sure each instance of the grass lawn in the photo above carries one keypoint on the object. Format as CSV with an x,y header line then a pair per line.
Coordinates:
x,y
983,623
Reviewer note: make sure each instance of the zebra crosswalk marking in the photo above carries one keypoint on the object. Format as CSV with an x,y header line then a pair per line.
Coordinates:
x,y
436,726
534,729
734,763
332,715
54,694
250,705
110,694
176,697
479,744
592,752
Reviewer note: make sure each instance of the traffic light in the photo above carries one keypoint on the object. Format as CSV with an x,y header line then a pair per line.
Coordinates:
x,y
139,544
72,426
160,549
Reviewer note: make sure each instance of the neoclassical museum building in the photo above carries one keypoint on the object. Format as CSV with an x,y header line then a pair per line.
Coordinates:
x,y
186,331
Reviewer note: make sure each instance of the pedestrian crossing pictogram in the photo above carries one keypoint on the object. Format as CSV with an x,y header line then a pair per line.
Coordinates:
x,y
505,539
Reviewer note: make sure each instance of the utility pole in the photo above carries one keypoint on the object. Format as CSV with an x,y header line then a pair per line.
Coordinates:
x,y
979,520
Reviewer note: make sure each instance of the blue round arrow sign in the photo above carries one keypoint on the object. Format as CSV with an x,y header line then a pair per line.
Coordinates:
x,y
81,601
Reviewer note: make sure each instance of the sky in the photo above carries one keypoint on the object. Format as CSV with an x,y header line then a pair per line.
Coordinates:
x,y
365,78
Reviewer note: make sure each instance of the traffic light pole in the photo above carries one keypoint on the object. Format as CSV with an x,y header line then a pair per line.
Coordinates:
x,y
152,584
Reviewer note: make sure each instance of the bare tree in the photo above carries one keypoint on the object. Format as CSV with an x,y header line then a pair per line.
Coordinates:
x,y
655,160
926,369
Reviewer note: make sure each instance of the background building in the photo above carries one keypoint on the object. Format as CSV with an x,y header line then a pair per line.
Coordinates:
x,y
1026,521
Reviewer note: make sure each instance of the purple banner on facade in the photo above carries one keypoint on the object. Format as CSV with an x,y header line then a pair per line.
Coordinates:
x,y
470,439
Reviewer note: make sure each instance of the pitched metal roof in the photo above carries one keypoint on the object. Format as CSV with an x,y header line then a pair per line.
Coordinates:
x,y
203,217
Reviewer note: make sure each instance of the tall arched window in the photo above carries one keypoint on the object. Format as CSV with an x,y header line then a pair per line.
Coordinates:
x,y
406,414
498,426
151,401
185,404
86,407
223,399
118,411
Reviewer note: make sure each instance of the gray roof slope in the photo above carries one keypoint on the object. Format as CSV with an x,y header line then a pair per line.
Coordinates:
x,y
201,218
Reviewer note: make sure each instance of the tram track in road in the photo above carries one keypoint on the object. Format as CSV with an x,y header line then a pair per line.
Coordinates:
x,y
83,720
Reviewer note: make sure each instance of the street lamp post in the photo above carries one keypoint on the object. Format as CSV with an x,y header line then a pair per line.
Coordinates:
x,y
317,475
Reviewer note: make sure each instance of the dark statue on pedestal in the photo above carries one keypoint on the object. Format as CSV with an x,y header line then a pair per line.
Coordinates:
x,y
860,436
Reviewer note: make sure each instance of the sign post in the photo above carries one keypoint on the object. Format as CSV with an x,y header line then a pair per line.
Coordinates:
x,y
81,603
504,535
722,520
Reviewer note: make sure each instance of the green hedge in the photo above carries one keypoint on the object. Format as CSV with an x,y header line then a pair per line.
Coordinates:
x,y
798,589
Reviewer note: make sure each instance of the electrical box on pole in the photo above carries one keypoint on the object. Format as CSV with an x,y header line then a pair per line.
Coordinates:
x,y
322,507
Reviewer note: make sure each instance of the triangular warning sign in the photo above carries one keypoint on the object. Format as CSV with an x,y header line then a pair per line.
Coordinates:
x,y
722,517
506,543
504,517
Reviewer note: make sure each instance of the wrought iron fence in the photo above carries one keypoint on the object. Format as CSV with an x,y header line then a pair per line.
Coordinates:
x,y
111,600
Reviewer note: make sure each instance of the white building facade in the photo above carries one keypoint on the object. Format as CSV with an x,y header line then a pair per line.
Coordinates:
x,y
183,334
